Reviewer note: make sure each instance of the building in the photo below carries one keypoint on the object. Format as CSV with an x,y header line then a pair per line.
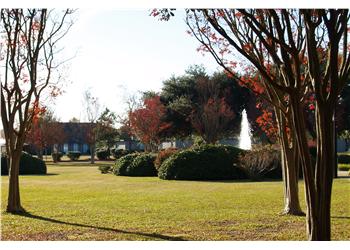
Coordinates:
x,y
76,137
67,136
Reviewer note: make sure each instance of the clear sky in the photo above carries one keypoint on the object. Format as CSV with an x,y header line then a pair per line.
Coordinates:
x,y
119,52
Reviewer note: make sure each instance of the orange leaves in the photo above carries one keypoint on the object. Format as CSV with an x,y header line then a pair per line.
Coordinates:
x,y
147,122
37,111
267,123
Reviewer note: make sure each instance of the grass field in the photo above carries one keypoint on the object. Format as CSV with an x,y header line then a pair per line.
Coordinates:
x,y
75,202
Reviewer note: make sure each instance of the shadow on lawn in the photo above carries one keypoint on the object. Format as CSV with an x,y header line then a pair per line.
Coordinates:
x,y
341,217
152,235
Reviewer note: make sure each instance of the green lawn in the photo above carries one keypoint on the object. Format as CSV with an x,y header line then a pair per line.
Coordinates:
x,y
78,203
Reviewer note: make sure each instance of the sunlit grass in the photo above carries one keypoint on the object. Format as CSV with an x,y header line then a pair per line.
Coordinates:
x,y
76,202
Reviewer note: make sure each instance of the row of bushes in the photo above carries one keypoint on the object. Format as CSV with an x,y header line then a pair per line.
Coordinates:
x,y
101,153
27,165
204,162
72,155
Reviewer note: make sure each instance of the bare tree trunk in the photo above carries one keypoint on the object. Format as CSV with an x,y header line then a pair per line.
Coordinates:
x,y
324,168
312,219
335,148
290,168
14,201
92,152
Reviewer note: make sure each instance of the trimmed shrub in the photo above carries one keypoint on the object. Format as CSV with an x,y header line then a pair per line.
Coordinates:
x,y
27,165
122,163
264,162
103,154
344,159
117,153
73,155
142,165
57,156
105,169
343,167
206,162
163,155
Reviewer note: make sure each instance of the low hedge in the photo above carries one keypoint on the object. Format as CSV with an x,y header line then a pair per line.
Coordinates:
x,y
105,169
73,155
205,162
142,165
103,154
122,163
56,156
344,167
344,159
28,165
117,153
135,164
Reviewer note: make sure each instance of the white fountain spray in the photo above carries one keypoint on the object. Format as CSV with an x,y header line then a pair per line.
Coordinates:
x,y
245,141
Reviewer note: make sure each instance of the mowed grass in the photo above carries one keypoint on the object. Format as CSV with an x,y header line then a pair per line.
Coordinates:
x,y
77,202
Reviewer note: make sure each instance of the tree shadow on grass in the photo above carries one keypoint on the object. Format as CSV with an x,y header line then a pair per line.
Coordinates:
x,y
341,217
152,235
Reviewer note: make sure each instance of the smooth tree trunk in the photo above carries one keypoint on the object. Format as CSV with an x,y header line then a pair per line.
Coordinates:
x,y
318,179
14,201
325,165
290,168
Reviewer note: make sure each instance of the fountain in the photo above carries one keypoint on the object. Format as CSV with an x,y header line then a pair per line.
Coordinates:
x,y
245,141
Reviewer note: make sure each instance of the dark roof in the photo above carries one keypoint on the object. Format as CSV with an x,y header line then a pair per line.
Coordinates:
x,y
76,132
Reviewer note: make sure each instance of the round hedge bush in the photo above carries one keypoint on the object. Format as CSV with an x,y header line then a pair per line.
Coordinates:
x,y
28,165
73,155
122,163
103,154
142,165
205,162
117,153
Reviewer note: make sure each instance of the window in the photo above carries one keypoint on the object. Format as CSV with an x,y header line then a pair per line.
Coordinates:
x,y
85,148
65,147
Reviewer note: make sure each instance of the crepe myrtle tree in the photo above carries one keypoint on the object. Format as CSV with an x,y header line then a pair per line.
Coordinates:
x,y
249,44
29,71
295,52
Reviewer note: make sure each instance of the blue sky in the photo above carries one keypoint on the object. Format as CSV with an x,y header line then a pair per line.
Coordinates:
x,y
119,52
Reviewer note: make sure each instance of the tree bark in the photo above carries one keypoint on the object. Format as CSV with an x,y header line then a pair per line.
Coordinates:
x,y
325,166
290,167
92,152
14,201
312,215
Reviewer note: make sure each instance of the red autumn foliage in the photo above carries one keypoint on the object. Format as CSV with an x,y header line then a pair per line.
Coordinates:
x,y
45,131
147,122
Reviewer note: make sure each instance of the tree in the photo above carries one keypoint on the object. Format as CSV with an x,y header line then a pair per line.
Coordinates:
x,y
220,32
212,114
182,97
46,131
92,109
106,133
289,48
147,123
28,48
